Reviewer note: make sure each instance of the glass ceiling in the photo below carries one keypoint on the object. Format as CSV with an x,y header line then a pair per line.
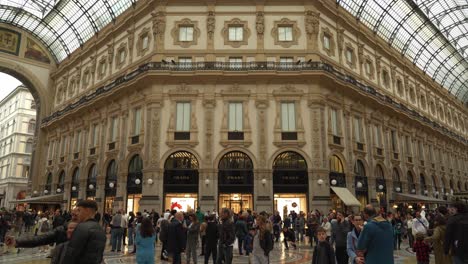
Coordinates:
x,y
62,25
433,34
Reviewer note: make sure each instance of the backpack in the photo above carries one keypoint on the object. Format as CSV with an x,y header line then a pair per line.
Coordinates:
x,y
398,228
267,243
45,227
462,244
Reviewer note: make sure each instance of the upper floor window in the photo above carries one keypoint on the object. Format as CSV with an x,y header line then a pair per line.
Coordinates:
x,y
285,33
349,56
183,116
186,33
28,147
94,135
144,42
394,141
408,146
288,117
77,141
358,129
137,121
385,78
421,150
399,85
286,62
368,67
236,33
113,129
334,122
64,146
378,136
235,117
31,126
326,41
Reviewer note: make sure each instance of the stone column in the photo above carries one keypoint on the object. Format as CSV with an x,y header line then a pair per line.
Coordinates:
x,y
153,192
208,189
260,29
100,191
210,29
159,29
263,201
319,194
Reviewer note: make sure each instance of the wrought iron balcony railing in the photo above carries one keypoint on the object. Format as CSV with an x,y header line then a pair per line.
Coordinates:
x,y
260,66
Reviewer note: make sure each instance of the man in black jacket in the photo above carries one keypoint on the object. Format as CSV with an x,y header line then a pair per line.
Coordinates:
x,y
87,243
58,219
211,239
177,238
227,236
456,238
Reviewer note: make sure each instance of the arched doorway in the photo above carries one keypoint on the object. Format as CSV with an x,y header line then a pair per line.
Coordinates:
x,y
48,185
337,179
235,181
396,181
91,183
381,187
411,184
110,186
134,183
422,182
181,181
75,187
61,182
360,181
290,183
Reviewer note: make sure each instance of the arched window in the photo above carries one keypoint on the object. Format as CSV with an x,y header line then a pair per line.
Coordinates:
x,y
32,126
396,180
28,147
75,183
380,179
91,182
422,181
359,169
379,174
235,173
290,173
61,181
135,175
411,185
336,165
111,178
181,173
48,186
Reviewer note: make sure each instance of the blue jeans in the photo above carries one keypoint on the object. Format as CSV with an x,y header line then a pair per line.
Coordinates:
x,y
130,236
116,238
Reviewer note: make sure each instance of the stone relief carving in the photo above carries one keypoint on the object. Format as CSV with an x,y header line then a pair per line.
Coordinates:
x,y
110,53
312,19
131,39
361,53
210,24
156,119
260,23
159,23
340,39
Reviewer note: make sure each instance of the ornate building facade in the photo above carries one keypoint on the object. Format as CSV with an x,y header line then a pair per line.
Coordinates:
x,y
17,127
260,106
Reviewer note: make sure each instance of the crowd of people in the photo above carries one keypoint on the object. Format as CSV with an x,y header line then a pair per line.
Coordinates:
x,y
336,237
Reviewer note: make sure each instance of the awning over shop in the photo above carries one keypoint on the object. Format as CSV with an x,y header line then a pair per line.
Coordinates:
x,y
346,196
414,198
45,199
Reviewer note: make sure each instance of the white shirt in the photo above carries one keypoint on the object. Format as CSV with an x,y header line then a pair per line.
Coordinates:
x,y
124,223
420,226
409,223
327,227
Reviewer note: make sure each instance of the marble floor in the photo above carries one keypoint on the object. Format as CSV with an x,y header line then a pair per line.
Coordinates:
x,y
278,256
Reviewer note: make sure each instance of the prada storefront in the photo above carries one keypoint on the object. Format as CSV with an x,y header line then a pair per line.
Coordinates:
x,y
290,183
235,182
181,181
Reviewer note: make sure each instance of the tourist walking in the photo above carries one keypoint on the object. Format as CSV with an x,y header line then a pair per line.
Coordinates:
x,y
422,249
241,231
193,231
456,236
409,229
58,253
326,225
437,240
145,238
352,239
212,236
339,234
420,224
323,251
262,242
375,239
116,231
131,228
177,238
227,237
163,225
